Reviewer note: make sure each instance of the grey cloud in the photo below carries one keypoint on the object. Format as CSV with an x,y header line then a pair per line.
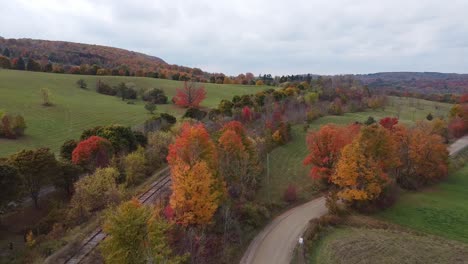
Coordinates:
x,y
278,37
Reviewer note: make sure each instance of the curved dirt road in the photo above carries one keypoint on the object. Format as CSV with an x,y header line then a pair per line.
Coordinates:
x,y
275,244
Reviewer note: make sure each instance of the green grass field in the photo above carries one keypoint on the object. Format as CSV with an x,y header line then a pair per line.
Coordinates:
x,y
286,161
362,245
76,109
441,210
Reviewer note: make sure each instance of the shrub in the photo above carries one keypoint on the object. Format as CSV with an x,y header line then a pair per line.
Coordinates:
x,y
169,118
81,84
313,114
254,215
106,89
155,95
290,194
11,126
195,113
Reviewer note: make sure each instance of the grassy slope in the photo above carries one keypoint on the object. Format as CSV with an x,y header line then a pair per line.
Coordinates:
x,y
441,210
286,161
75,109
361,245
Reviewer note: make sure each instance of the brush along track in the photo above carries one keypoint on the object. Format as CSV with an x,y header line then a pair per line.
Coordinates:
x,y
149,196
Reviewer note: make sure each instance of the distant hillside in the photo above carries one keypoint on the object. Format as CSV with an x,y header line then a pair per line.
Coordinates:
x,y
69,54
417,82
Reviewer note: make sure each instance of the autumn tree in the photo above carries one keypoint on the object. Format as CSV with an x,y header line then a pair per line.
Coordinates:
x,y
94,192
196,188
423,155
388,122
136,166
362,172
238,160
136,235
91,153
190,95
358,176
325,147
35,167
158,147
5,63
195,194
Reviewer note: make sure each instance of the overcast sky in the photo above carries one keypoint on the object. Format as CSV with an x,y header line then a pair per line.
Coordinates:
x,y
260,36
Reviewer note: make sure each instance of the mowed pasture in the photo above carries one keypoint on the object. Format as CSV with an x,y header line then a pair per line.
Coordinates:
x,y
363,245
440,210
76,109
286,161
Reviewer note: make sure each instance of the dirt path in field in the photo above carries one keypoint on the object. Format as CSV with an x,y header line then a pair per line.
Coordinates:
x,y
276,243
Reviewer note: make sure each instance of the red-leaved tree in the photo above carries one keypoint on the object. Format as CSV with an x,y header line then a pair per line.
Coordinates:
x,y
457,127
94,152
247,114
325,147
388,122
190,95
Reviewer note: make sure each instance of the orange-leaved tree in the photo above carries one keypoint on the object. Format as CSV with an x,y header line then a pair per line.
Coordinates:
x,y
195,196
190,95
325,147
424,158
362,171
197,189
238,159
358,176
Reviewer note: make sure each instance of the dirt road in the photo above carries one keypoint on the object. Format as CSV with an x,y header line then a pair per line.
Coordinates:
x,y
275,244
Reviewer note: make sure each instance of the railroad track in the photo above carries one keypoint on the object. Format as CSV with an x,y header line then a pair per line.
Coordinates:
x,y
96,237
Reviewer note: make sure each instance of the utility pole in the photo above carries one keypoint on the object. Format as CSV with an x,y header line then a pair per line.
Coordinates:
x,y
268,177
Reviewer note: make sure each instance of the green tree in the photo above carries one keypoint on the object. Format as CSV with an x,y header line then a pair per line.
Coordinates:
x,y
67,148
150,107
66,176
20,65
6,52
35,168
10,184
33,65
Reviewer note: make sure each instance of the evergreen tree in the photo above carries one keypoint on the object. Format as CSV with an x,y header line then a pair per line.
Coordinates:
x,y
6,52
20,65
